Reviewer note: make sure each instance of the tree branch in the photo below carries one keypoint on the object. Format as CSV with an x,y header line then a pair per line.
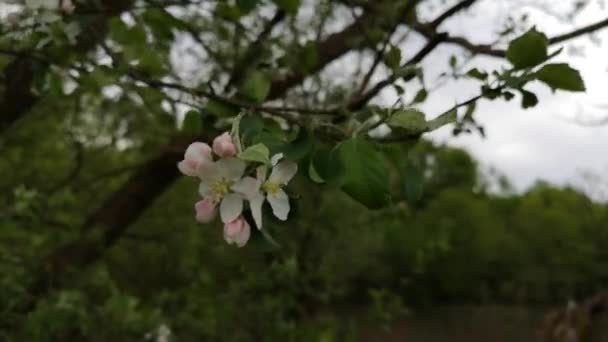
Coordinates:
x,y
18,98
253,50
462,5
483,49
377,59
434,41
336,45
580,32
360,102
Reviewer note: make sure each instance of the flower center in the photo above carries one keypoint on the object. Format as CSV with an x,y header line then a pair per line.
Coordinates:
x,y
220,187
271,188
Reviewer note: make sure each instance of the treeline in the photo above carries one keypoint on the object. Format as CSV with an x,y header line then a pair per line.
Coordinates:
x,y
335,265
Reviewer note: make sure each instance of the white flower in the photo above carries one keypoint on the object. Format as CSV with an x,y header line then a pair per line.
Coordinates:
x,y
216,183
271,189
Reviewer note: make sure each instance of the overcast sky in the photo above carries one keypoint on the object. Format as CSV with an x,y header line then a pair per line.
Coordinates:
x,y
545,142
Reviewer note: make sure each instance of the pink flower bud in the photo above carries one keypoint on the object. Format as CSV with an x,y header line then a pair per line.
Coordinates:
x,y
67,6
196,158
237,232
223,146
205,210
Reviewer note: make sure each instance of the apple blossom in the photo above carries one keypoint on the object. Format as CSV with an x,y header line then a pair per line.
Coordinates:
x,y
223,146
216,184
237,232
254,188
196,159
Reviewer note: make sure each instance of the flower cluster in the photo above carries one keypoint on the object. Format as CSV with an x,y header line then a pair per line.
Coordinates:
x,y
224,184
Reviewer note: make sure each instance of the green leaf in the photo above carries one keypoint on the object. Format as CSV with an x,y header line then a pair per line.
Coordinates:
x,y
507,95
54,83
289,6
528,99
162,23
273,140
228,11
308,56
313,174
129,36
256,86
477,74
561,76
421,96
411,120
442,120
151,62
299,147
490,93
193,123
366,175
398,89
250,127
327,164
220,109
408,72
235,132
256,153
468,115
393,57
118,29
246,6
99,77
528,50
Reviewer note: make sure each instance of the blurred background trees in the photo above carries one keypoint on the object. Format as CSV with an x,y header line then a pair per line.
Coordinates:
x,y
97,236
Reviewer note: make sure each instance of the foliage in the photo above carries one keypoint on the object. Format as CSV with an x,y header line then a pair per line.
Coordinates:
x,y
97,236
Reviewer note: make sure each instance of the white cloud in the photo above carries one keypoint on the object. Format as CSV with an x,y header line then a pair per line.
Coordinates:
x,y
545,142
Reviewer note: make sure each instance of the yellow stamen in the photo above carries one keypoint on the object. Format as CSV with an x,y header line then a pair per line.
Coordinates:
x,y
271,188
220,187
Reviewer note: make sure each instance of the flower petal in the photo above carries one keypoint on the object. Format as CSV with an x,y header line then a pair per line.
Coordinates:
x,y
205,210
279,203
248,187
275,159
211,171
255,204
231,229
231,168
188,168
231,207
283,172
237,232
223,146
203,189
198,151
261,173
241,239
